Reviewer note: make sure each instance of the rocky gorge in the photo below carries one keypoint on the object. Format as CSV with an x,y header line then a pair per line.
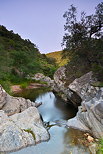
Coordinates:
x,y
20,122
85,96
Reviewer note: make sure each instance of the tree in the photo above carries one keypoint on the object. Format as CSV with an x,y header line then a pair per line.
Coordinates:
x,y
78,31
84,37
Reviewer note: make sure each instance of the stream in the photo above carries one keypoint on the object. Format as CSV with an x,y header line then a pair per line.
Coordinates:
x,y
62,140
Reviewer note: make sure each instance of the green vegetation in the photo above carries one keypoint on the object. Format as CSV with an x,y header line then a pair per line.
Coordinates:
x,y
31,132
97,84
20,58
83,42
57,57
100,147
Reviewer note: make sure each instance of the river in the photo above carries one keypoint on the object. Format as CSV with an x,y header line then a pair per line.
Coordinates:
x,y
62,140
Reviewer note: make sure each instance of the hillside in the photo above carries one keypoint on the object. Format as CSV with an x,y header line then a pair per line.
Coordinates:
x,y
57,55
19,58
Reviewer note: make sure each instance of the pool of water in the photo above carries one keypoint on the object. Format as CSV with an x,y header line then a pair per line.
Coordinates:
x,y
62,140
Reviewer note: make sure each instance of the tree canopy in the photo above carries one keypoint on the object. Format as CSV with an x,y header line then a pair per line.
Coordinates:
x,y
83,39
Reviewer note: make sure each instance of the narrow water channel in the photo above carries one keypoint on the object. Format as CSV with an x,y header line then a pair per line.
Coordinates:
x,y
62,140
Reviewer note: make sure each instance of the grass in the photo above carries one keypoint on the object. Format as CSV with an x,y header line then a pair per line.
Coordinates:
x,y
100,147
97,84
58,56
6,84
23,82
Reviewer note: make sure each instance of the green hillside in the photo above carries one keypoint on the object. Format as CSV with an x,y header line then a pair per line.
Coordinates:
x,y
57,55
19,58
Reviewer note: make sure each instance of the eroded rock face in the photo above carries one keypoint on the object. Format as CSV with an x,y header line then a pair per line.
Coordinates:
x,y
21,130
11,105
90,115
81,85
89,118
61,86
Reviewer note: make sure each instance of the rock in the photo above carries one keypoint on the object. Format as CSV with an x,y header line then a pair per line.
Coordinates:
x,y
90,139
11,105
80,85
21,130
93,148
16,89
90,113
38,76
38,104
3,96
35,86
61,86
60,79
89,117
43,78
92,117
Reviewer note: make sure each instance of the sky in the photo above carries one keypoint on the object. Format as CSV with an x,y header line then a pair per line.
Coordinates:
x,y
41,21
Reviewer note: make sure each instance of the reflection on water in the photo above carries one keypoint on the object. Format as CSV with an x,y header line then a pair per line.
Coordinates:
x,y
53,108
31,94
72,142
62,140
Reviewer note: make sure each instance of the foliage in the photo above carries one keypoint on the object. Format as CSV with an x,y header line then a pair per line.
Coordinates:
x,y
83,40
19,58
57,57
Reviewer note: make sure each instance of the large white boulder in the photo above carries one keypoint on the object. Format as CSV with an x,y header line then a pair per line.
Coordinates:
x,y
21,130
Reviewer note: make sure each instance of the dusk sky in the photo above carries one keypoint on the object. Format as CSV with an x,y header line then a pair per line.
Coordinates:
x,y
40,21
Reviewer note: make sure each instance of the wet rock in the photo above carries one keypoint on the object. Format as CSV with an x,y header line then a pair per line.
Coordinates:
x,y
21,130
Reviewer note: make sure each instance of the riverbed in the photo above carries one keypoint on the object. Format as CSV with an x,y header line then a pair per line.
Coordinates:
x,y
62,140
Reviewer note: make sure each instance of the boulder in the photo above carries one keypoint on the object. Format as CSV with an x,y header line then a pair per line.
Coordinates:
x,y
80,85
61,86
21,130
11,105
43,78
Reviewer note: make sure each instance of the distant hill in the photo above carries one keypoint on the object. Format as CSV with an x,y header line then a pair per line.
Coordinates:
x,y
19,57
57,55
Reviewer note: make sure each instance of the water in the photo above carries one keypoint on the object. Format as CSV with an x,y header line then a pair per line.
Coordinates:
x,y
62,140
53,108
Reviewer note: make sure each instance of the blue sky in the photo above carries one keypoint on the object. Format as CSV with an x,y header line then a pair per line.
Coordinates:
x,y
41,21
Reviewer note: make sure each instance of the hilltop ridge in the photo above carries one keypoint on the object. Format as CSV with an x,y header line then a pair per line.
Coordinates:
x,y
57,55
